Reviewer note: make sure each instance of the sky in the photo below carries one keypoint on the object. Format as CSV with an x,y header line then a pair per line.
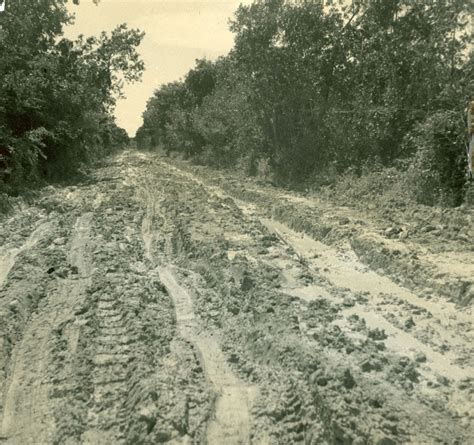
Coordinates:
x,y
177,33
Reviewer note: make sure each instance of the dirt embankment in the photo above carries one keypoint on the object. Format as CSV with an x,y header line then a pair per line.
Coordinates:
x,y
165,305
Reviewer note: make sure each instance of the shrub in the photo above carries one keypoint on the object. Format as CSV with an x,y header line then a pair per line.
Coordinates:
x,y
439,160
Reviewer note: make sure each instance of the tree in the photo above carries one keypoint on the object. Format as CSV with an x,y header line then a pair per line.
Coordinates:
x,y
316,91
57,96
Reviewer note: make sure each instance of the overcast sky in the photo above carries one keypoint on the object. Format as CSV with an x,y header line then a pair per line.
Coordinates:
x,y
177,33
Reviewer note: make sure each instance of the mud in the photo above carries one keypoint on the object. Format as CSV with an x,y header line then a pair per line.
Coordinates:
x,y
164,303
428,250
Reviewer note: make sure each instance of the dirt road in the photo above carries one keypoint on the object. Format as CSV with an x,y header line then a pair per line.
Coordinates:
x,y
163,303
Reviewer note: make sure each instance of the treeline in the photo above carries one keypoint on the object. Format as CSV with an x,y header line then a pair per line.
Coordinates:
x,y
57,95
311,92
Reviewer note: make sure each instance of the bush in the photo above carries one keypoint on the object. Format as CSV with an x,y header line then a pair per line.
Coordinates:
x,y
378,185
439,162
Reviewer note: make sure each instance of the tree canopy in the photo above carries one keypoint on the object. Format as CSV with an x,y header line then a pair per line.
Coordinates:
x,y
313,91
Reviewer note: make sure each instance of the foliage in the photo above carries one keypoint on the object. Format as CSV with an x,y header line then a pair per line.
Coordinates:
x,y
57,95
440,170
317,91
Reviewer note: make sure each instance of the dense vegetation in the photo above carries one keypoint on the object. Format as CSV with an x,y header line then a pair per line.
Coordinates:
x,y
309,93
57,95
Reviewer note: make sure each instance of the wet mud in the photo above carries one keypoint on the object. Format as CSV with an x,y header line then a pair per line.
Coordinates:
x,y
163,303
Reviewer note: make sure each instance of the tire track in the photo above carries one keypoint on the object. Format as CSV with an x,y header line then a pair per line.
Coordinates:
x,y
135,323
347,272
109,375
127,381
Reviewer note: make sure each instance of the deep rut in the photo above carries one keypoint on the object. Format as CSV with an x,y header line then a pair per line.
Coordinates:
x,y
346,271
28,414
230,422
168,311
422,345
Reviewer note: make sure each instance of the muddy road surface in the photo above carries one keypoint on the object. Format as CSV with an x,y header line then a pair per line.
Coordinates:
x,y
162,303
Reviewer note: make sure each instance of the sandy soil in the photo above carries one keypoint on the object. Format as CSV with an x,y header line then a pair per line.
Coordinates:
x,y
159,302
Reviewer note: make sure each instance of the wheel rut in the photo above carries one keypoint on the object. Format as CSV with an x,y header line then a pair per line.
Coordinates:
x,y
230,422
345,271
166,310
374,327
28,411
7,259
